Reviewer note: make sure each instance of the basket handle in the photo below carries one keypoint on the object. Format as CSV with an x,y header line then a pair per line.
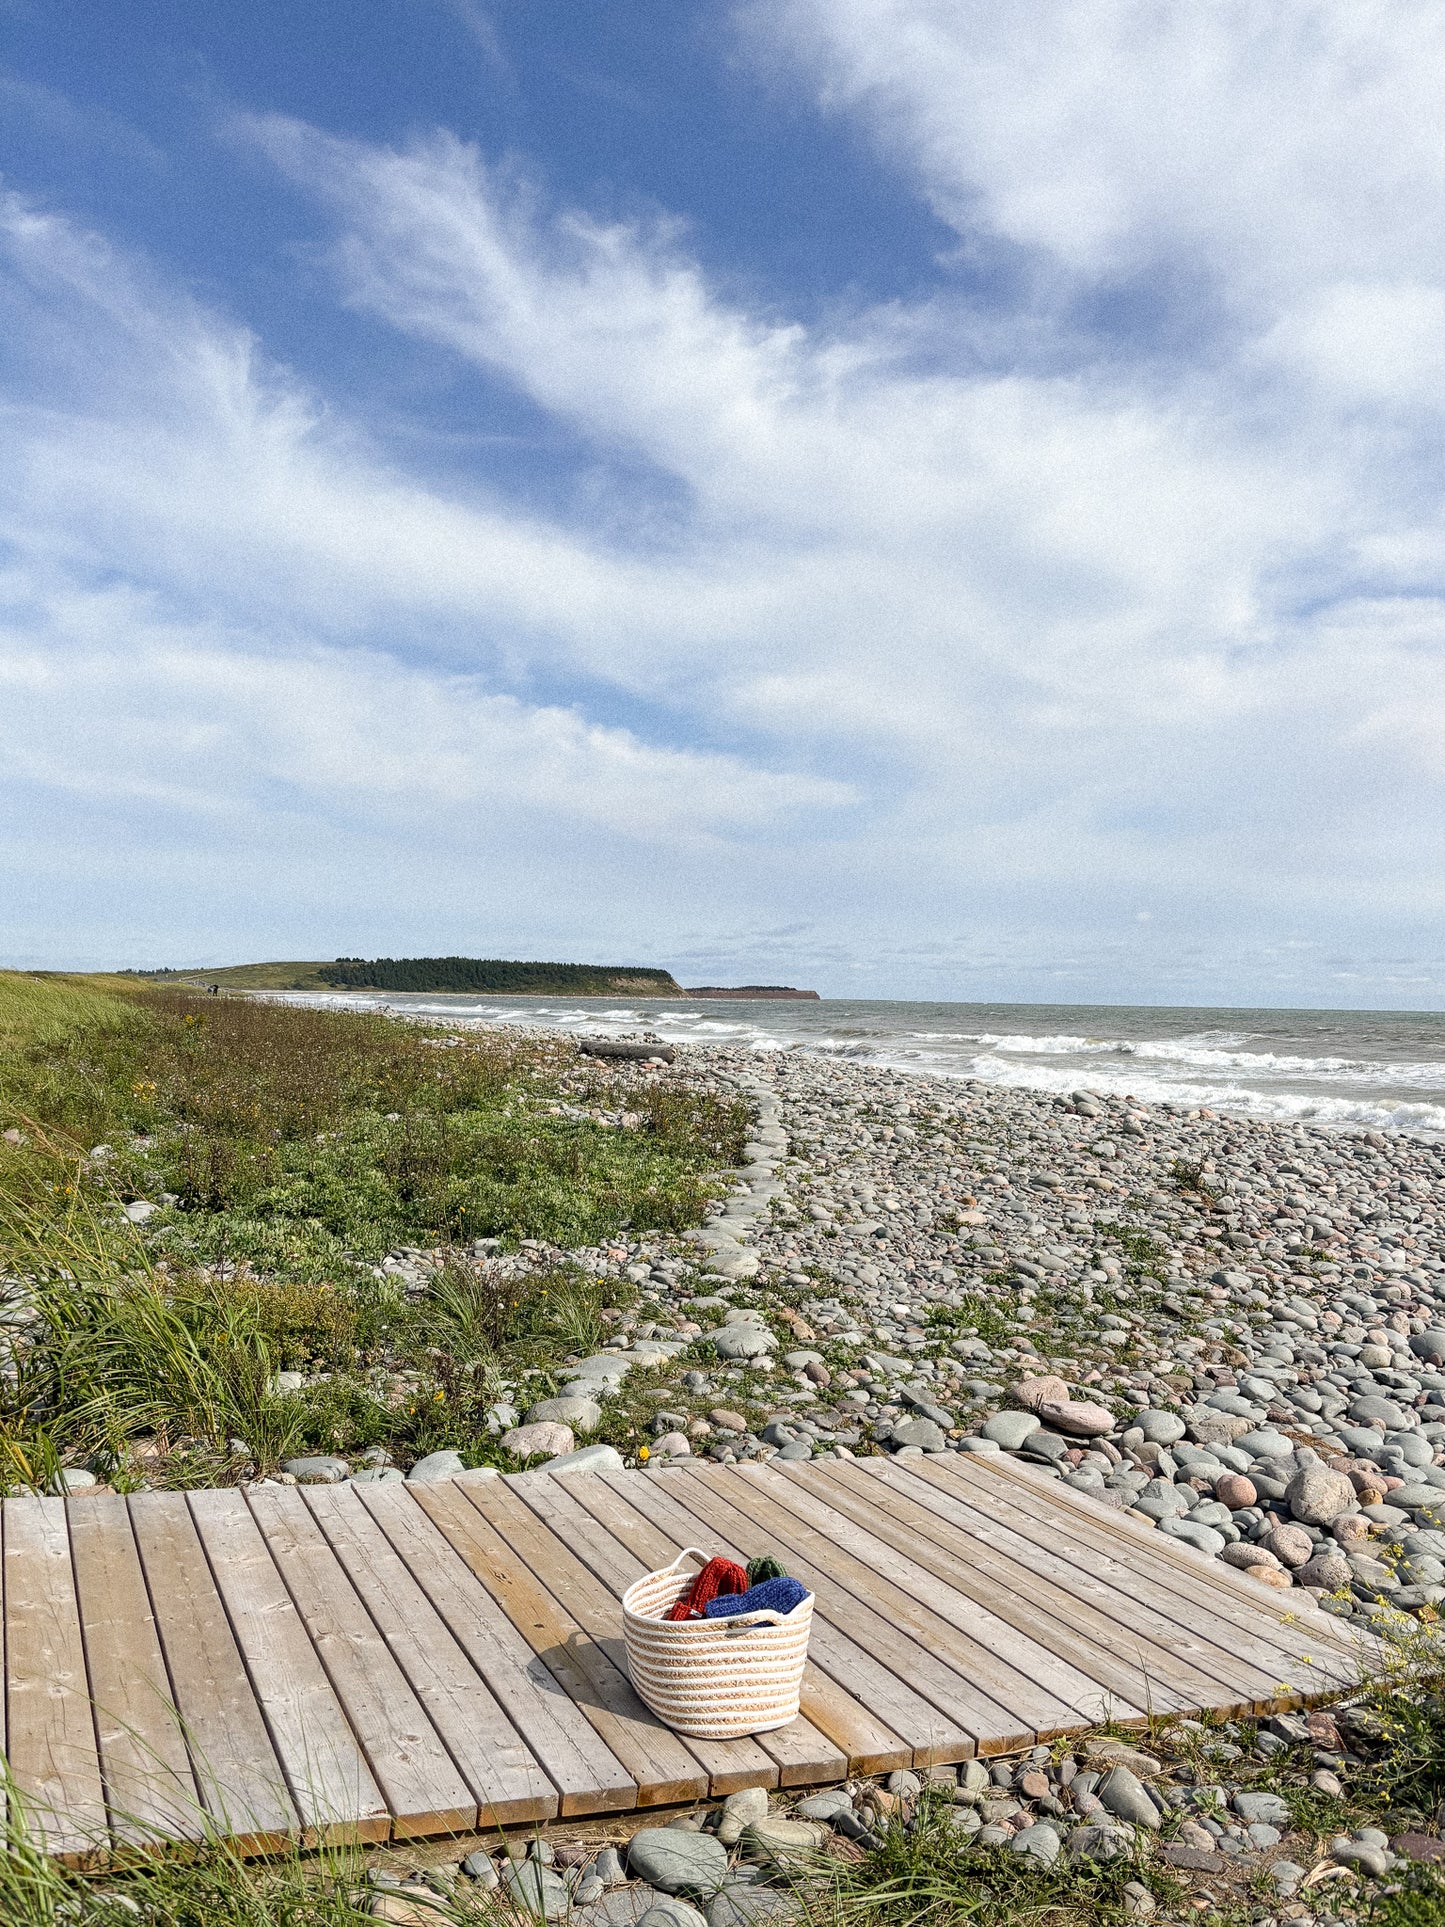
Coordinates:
x,y
766,1617
687,1552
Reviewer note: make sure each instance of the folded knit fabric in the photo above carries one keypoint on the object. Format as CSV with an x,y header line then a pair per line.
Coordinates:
x,y
718,1578
774,1595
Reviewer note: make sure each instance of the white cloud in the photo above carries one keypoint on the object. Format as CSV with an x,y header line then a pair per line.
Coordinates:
x,y
931,630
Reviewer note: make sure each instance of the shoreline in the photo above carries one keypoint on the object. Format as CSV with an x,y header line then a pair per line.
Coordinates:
x,y
1228,1326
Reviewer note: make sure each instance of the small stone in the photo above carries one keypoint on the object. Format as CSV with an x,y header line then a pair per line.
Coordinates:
x,y
779,1840
1268,1807
1285,1876
436,1466
581,1414
608,1867
1328,1570
480,1867
1160,1428
728,1421
1316,1496
1039,1842
904,1784
744,1808
1126,1796
537,1889
1118,1753
1139,1903
1010,1429
678,1862
1033,1392
920,1433
1262,1835
671,1913
825,1807
544,1441
743,1904
1077,1417
1291,1545
1195,1859
1235,1491
317,1470
742,1340
1357,1853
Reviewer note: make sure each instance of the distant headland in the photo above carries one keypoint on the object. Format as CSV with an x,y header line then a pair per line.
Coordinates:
x,y
485,976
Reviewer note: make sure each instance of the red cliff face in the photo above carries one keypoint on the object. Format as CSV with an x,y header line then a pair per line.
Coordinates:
x,y
756,992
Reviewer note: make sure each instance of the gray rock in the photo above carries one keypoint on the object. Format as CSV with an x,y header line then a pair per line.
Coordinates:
x,y
1125,1795
479,1866
1039,1842
436,1466
742,1340
1372,1860
1285,1876
1262,1835
623,1907
1010,1429
582,1414
1203,1538
671,1912
72,1478
825,1807
376,1475
678,1862
537,1889
1101,1843
1266,1807
587,1458
1160,1428
608,1867
1370,1408
741,1809
920,1432
744,1904
1328,1569
1317,1497
317,1470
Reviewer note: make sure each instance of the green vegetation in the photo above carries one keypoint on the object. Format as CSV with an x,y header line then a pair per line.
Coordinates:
x,y
487,975
495,974
287,1151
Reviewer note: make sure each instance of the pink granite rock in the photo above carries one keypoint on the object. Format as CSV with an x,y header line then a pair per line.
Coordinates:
x,y
1078,1417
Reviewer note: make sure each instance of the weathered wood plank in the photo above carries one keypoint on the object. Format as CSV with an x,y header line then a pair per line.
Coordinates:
x,y
53,1754
149,1787
662,1767
508,1787
588,1776
326,1770
239,1777
417,1775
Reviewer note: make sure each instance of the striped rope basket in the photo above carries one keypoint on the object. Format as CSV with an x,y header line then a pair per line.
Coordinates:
x,y
713,1679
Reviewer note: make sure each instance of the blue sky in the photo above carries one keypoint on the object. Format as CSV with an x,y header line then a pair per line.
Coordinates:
x,y
906,496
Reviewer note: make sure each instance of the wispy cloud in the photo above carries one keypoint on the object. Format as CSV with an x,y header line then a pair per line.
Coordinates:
x,y
984,620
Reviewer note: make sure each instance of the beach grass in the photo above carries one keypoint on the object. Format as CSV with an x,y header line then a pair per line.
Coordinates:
x,y
286,1151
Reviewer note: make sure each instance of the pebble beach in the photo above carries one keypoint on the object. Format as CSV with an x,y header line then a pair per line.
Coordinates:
x,y
1230,1327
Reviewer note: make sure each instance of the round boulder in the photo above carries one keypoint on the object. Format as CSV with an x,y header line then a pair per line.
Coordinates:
x,y
1328,1569
1160,1428
582,1414
1291,1545
744,1339
542,1441
1316,1496
1232,1489
1010,1429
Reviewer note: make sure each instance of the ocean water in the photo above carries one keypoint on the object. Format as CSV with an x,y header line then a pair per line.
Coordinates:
x,y
1379,1070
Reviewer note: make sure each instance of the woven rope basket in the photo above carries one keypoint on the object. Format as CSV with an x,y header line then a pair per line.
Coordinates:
x,y
713,1679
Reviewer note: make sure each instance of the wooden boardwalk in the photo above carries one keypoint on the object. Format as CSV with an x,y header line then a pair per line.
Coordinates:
x,y
386,1661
